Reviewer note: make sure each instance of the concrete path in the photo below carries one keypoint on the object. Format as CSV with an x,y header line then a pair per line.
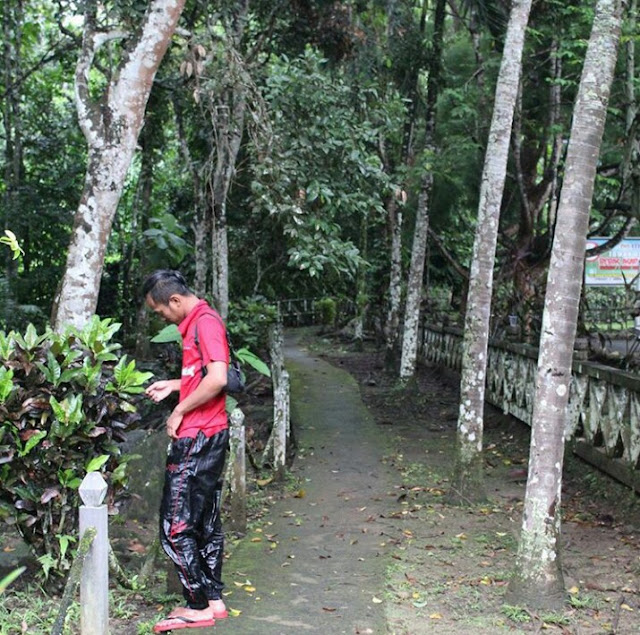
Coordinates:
x,y
318,563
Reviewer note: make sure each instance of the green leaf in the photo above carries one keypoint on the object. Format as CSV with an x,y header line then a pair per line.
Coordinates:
x,y
32,442
246,356
11,577
96,463
230,404
6,383
167,334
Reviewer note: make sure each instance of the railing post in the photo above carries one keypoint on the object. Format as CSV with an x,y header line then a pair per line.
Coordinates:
x,y
238,519
281,425
94,584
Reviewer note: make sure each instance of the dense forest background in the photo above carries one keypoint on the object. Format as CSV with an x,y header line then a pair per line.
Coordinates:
x,y
299,133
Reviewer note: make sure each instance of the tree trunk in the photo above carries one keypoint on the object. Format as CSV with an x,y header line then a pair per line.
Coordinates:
x,y
394,224
111,128
419,247
12,21
538,578
414,284
362,300
201,229
468,481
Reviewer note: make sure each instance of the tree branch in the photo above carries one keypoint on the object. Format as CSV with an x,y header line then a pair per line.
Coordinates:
x,y
88,112
614,240
458,268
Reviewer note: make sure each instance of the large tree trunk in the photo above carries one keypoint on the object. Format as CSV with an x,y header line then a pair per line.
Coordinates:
x,y
538,578
419,247
111,128
468,482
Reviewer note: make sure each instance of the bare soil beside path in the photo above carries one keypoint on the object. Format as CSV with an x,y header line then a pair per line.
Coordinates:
x,y
449,573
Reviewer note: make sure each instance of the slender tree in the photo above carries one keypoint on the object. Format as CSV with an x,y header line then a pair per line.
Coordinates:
x,y
538,580
468,483
111,126
419,247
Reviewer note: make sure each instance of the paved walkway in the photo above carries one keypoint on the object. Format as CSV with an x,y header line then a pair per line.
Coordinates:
x,y
318,563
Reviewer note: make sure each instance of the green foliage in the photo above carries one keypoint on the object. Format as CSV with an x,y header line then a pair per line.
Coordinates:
x,y
166,236
169,334
9,578
245,356
65,404
328,311
324,173
249,322
11,241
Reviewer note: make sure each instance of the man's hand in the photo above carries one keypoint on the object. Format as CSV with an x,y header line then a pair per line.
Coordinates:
x,y
173,423
161,389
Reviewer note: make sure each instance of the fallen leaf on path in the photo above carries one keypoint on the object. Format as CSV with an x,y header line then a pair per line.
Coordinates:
x,y
234,612
376,600
136,547
328,609
435,616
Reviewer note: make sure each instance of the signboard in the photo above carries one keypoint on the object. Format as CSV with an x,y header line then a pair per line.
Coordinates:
x,y
617,266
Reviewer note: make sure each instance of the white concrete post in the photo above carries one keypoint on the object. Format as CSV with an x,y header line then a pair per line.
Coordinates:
x,y
238,519
94,583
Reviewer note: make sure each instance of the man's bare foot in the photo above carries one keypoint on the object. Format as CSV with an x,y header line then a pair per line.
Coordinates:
x,y
184,617
194,615
219,609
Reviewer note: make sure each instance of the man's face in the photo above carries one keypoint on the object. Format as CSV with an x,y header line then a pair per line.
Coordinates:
x,y
169,312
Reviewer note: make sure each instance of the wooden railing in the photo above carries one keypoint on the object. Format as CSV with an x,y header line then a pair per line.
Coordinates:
x,y
604,404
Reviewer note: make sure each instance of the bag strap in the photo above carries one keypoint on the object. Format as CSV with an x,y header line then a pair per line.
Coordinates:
x,y
197,340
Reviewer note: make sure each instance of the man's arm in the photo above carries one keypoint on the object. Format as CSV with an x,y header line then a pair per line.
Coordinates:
x,y
161,389
212,384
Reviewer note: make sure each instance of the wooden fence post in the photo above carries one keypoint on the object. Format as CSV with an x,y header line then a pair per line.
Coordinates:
x,y
238,519
94,584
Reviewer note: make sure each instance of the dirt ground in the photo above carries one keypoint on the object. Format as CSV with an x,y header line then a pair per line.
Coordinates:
x,y
450,573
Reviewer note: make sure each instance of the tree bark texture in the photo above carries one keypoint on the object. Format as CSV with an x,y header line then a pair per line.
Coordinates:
x,y
111,128
468,481
392,324
419,247
12,22
538,580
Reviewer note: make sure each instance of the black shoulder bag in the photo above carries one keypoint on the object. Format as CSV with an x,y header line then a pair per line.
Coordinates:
x,y
235,378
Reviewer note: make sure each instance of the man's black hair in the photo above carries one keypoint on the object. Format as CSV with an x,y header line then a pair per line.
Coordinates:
x,y
164,283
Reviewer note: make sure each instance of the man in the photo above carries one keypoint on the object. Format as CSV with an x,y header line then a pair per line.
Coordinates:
x,y
190,528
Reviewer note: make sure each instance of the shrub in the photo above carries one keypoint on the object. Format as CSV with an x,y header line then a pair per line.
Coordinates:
x,y
327,309
65,404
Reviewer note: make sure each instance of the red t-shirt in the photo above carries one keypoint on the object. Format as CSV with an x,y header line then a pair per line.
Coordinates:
x,y
212,416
